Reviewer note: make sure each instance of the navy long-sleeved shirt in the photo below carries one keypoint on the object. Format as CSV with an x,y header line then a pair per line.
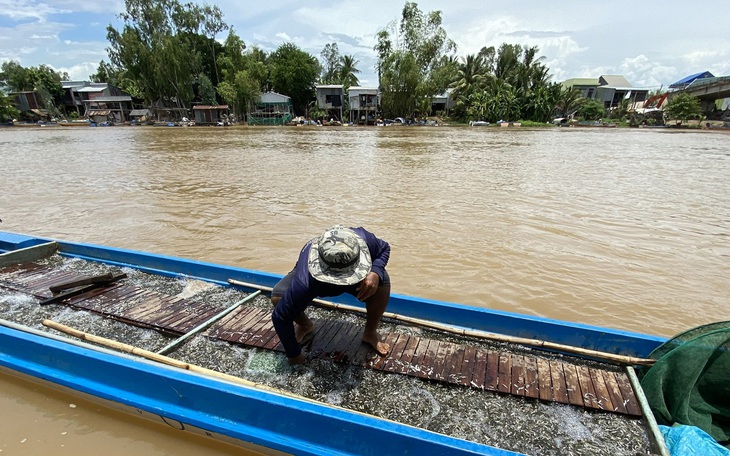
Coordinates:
x,y
304,288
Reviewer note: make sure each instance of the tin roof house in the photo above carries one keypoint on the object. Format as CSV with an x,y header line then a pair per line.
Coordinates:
x,y
331,99
364,103
609,89
272,109
97,100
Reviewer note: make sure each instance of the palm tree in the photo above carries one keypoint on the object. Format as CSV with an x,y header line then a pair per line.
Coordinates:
x,y
471,77
569,100
348,70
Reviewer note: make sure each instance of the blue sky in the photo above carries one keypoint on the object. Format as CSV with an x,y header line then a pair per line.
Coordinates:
x,y
651,44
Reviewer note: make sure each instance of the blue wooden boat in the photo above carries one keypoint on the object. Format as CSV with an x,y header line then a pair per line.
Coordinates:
x,y
243,413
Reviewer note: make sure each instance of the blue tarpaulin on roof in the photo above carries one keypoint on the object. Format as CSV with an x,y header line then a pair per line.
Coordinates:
x,y
691,78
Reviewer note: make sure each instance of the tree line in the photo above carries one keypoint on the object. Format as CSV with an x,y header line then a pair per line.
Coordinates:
x,y
166,54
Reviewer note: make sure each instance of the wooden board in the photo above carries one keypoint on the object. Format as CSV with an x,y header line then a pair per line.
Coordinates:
x,y
525,375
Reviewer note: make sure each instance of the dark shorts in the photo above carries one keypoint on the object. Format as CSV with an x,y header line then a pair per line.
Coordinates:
x,y
285,282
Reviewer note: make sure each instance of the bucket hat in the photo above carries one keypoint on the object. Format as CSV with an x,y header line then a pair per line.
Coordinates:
x,y
339,256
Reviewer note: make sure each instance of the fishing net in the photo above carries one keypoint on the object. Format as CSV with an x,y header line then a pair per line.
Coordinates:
x,y
690,381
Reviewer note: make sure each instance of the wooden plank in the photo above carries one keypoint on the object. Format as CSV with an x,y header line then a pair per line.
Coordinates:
x,y
491,380
480,368
572,384
363,355
338,348
532,385
426,358
225,327
67,283
614,392
544,379
468,365
349,351
375,360
396,353
248,335
124,295
627,391
452,371
560,388
233,329
417,368
517,375
28,254
505,373
403,365
320,339
151,302
439,363
264,334
427,362
93,299
83,289
603,398
590,398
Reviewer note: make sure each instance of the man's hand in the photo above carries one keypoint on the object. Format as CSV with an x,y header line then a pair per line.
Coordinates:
x,y
368,286
301,358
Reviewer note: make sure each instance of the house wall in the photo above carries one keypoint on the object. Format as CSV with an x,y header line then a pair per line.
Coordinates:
x,y
330,98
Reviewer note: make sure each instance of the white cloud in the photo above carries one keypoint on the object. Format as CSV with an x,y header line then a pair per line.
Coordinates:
x,y
651,46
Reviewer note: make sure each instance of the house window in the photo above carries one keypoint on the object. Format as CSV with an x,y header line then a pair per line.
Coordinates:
x,y
590,93
333,100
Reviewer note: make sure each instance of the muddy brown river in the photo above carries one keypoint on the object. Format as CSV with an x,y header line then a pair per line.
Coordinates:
x,y
614,227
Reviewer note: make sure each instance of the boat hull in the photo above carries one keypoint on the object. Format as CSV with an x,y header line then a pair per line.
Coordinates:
x,y
251,418
257,418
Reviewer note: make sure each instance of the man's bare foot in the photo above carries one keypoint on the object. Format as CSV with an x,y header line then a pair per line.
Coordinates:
x,y
303,333
299,359
374,341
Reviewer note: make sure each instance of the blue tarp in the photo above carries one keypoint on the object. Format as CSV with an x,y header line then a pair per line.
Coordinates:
x,y
684,440
689,79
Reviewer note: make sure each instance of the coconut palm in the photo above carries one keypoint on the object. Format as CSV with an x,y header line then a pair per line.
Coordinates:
x,y
348,70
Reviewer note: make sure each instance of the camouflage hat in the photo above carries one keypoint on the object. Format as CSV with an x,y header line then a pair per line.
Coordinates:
x,y
339,256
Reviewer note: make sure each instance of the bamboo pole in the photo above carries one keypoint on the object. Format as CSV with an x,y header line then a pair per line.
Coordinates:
x,y
152,356
604,356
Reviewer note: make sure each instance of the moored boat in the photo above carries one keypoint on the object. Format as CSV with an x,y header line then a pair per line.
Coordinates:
x,y
272,420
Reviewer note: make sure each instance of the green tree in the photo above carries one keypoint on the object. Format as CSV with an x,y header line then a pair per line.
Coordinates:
x,y
7,108
568,101
471,79
400,80
206,91
348,71
683,107
162,47
294,73
591,110
407,68
331,61
244,72
14,77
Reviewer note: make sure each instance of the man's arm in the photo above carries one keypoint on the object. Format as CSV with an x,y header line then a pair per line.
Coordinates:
x,y
379,251
294,301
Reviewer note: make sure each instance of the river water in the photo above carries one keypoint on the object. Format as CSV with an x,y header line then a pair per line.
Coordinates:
x,y
614,227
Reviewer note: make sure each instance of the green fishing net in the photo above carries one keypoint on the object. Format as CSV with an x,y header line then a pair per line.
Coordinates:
x,y
690,381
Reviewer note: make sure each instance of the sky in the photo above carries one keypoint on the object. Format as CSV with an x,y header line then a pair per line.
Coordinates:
x,y
652,44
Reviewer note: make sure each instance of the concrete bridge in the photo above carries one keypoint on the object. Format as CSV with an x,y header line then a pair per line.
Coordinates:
x,y
709,88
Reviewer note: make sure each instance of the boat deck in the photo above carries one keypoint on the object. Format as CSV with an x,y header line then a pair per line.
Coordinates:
x,y
519,374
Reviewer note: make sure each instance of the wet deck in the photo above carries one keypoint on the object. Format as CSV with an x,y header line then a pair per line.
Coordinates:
x,y
517,374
